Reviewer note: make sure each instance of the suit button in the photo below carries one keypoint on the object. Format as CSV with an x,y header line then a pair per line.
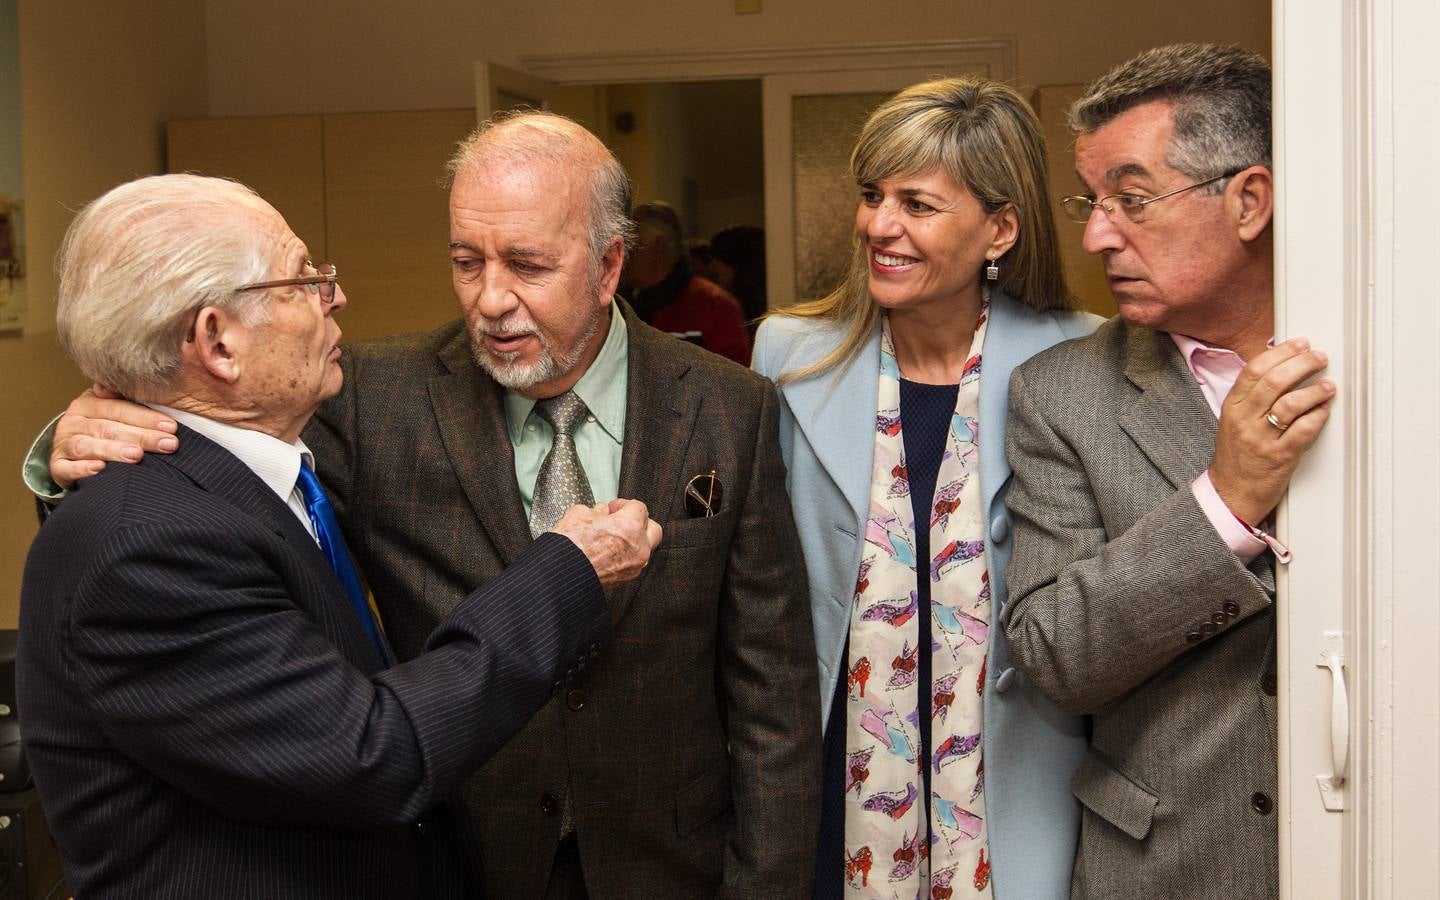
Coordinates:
x,y
1219,618
594,649
999,530
548,804
1007,678
1231,608
1261,803
1207,629
569,676
575,700
1193,637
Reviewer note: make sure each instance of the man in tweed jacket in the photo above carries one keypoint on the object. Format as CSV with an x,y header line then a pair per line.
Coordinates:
x,y
207,711
1143,576
682,763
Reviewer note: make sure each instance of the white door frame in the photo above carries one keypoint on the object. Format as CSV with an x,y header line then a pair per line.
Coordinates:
x,y
1357,120
992,54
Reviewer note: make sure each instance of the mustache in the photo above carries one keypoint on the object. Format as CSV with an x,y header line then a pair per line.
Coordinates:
x,y
506,326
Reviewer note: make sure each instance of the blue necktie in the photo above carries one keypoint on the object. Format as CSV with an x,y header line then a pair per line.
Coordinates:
x,y
327,529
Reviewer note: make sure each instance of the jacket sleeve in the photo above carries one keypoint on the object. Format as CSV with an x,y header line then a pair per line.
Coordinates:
x,y
1096,610
198,665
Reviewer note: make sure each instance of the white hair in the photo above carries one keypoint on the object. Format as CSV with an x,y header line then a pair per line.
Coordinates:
x,y
137,262
528,135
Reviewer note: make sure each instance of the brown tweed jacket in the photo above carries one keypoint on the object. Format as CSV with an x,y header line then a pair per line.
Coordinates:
x,y
1126,604
691,747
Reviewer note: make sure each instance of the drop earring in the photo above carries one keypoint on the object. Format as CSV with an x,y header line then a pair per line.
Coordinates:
x,y
992,270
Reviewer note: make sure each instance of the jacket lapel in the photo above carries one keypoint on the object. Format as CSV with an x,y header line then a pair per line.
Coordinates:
x,y
1013,335
661,407
1169,421
470,414
218,472
836,413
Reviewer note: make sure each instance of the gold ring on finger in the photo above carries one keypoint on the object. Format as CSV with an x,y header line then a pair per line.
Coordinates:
x,y
1274,422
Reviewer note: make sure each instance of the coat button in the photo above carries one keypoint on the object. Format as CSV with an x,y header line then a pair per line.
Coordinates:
x,y
575,699
548,804
1219,618
1193,637
594,650
1207,629
1231,608
999,529
1007,678
1261,803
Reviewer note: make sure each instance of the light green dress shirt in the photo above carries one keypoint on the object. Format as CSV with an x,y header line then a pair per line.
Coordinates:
x,y
598,439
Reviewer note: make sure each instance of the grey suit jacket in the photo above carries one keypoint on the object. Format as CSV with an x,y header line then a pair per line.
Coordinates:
x,y
1126,604
827,430
690,746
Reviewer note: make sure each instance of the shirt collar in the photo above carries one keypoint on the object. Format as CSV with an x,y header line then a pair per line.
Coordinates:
x,y
274,461
602,387
1200,357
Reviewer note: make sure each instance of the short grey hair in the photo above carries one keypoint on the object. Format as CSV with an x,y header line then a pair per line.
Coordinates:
x,y
137,262
528,135
1221,105
662,218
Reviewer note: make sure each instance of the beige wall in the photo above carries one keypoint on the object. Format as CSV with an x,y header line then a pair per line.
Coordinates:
x,y
279,56
96,86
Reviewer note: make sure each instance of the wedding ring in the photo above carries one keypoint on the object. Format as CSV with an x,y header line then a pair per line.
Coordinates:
x,y
1275,423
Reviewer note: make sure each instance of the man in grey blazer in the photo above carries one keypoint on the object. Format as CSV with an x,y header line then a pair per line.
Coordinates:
x,y
681,763
1148,460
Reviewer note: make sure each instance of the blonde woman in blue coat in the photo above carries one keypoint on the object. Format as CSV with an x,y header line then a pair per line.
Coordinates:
x,y
946,773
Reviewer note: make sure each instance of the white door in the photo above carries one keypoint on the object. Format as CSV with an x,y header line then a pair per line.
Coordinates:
x,y
1357,121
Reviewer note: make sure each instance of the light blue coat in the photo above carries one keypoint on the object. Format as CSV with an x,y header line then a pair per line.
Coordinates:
x,y
827,435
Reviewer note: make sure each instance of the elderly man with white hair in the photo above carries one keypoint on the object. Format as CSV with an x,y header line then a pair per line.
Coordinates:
x,y
207,702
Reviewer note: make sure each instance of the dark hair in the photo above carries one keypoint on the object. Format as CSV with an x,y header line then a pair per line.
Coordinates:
x,y
1221,98
742,248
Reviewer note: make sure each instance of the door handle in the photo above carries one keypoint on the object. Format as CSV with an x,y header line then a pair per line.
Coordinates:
x,y
1332,785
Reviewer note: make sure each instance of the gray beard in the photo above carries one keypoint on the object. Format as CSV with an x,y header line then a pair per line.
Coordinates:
x,y
550,366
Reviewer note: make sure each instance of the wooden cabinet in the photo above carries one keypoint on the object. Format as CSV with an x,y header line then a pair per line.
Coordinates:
x,y
363,190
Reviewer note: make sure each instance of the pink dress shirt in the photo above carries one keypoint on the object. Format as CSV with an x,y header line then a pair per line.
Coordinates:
x,y
1215,370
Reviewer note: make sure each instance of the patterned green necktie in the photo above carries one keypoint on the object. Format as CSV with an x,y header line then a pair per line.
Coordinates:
x,y
562,482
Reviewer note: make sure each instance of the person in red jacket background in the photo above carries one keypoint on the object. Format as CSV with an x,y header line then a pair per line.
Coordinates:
x,y
667,295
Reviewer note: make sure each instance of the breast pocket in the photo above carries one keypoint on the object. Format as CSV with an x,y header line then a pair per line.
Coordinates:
x,y
698,532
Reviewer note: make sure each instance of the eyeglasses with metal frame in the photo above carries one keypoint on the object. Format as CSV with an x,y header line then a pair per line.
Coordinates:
x,y
322,281
1079,209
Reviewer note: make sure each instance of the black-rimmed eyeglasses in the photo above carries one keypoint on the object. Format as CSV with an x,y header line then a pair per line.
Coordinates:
x,y
323,281
1133,205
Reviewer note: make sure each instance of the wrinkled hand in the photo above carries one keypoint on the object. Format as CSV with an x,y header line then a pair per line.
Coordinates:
x,y
98,426
616,537
1253,459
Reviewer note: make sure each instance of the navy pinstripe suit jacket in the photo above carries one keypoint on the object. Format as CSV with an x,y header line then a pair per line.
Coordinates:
x,y
205,716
